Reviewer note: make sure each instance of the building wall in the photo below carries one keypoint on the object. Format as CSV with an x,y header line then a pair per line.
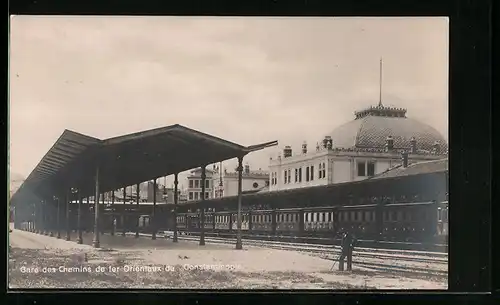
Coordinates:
x,y
194,193
341,166
231,184
342,170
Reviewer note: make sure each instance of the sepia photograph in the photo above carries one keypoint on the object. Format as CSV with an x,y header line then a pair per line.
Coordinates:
x,y
198,152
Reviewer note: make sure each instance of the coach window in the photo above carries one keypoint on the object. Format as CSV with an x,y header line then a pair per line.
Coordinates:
x,y
400,216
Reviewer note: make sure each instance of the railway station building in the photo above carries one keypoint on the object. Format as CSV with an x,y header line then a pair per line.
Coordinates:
x,y
370,144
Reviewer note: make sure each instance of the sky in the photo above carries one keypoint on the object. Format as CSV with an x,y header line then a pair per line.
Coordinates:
x,y
245,79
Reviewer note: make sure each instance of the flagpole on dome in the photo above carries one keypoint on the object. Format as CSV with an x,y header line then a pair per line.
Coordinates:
x,y
380,83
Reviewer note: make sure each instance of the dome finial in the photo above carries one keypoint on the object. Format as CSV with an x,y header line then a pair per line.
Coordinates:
x,y
380,83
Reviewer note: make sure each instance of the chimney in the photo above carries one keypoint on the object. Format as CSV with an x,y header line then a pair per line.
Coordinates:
x,y
287,152
436,148
329,142
325,141
413,144
389,143
404,158
304,148
247,169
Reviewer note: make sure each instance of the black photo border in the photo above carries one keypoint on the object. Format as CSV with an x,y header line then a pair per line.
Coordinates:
x,y
470,118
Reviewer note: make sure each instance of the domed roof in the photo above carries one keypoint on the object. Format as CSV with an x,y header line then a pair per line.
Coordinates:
x,y
373,125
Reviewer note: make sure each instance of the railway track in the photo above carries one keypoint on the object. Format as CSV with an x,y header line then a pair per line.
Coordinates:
x,y
386,260
372,244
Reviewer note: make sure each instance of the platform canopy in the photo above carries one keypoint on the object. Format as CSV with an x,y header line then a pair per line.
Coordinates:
x,y
125,160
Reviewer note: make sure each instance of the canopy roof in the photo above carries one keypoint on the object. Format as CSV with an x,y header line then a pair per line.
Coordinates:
x,y
124,160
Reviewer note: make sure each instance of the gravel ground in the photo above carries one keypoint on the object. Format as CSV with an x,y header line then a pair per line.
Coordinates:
x,y
37,261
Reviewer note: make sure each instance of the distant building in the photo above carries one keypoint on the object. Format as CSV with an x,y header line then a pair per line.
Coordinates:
x,y
167,196
226,183
369,145
195,187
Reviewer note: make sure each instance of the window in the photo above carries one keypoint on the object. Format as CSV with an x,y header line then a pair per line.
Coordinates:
x,y
285,176
197,183
190,193
300,174
307,173
206,195
289,176
296,175
207,184
190,184
196,195
312,172
361,169
322,171
370,169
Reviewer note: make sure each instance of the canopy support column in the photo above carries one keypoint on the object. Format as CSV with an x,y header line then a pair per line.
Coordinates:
x,y
51,230
239,244
96,242
43,215
124,228
138,212
59,217
101,218
203,198
176,199
113,213
153,216
79,239
68,199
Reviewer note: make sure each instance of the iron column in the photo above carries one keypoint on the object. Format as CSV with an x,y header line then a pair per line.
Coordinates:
x,y
59,217
238,234
123,210
153,218
68,199
102,216
113,213
51,233
176,199
138,213
79,239
96,242
202,216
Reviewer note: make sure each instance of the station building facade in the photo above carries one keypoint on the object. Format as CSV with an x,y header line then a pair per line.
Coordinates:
x,y
226,183
369,145
194,189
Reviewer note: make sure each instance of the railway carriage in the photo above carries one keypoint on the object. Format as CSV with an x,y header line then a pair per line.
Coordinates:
x,y
262,221
288,221
320,221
